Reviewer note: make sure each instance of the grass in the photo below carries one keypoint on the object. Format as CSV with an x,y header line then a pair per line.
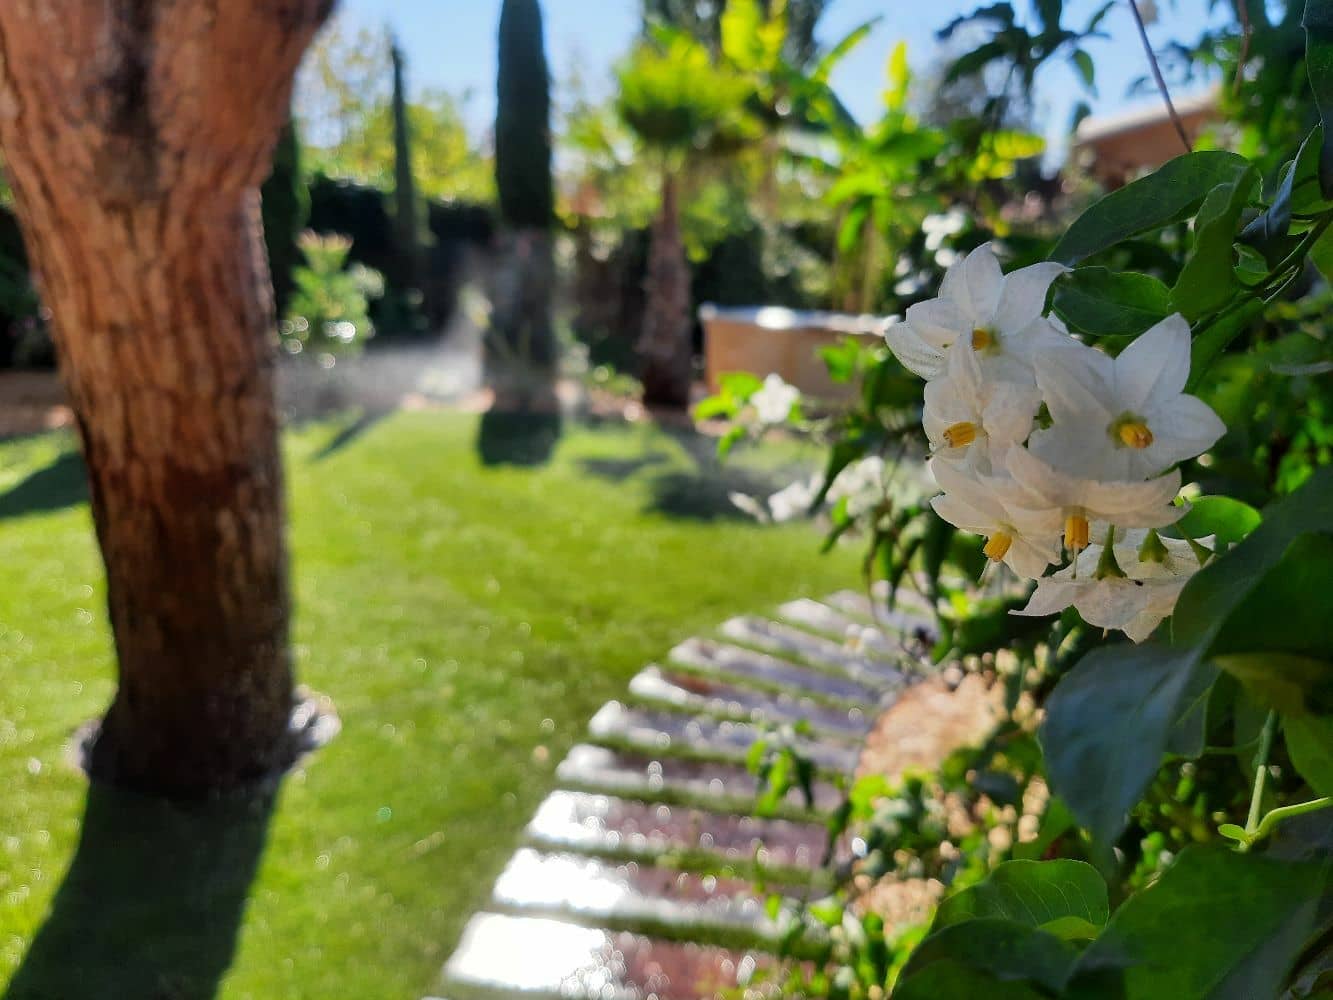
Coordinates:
x,y
466,619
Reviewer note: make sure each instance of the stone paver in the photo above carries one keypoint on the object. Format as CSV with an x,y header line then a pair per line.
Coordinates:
x,y
514,956
713,784
635,883
621,894
711,657
661,731
612,825
714,696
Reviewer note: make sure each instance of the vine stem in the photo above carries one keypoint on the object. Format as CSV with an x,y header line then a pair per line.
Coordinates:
x,y
1287,812
1161,81
1261,773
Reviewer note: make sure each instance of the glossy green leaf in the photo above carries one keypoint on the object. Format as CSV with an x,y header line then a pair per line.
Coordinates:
x,y
1108,723
1172,193
1218,925
1107,303
1208,278
952,980
1226,519
1310,744
1030,893
1007,950
1318,24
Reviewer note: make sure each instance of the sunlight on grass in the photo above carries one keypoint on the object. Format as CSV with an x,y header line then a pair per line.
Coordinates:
x,y
466,620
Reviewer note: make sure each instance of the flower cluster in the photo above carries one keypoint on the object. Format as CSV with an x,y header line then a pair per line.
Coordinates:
x,y
1043,444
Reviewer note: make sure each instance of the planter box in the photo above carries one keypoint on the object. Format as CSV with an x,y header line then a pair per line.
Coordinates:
x,y
770,339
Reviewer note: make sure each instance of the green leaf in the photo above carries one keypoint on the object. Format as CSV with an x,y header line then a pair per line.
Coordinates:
x,y
1279,680
1218,925
1310,743
1071,928
1318,24
1213,339
1031,893
1208,278
951,980
1086,70
1227,519
1106,303
1286,607
1108,723
1007,950
1172,193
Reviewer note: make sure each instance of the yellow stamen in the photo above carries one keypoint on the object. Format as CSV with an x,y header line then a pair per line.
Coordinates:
x,y
1076,533
1135,434
960,434
998,545
982,338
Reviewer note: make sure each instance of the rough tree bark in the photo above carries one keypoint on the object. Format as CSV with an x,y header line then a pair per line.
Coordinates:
x,y
665,348
136,134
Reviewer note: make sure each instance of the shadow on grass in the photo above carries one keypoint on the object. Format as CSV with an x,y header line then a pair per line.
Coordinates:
x,y
151,904
517,437
619,469
349,433
63,483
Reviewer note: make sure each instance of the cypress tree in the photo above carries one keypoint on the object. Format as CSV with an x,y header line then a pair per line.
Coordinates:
x,y
404,187
521,346
522,120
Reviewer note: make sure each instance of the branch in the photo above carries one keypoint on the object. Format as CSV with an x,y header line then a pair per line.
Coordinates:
x,y
1157,75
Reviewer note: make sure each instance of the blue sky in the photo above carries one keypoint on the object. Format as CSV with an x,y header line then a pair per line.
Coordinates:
x,y
451,44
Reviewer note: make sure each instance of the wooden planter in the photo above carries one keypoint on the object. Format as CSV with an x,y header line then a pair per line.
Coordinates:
x,y
772,339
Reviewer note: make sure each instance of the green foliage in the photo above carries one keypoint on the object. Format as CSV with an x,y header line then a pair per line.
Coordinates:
x,y
1106,303
329,311
1172,193
344,103
676,98
522,119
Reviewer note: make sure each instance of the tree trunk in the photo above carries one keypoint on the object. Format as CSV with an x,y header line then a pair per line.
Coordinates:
x,y
136,134
665,347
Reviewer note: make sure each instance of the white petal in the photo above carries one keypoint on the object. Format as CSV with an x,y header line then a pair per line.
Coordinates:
x,y
1135,505
1051,597
1023,297
1029,560
1155,365
1038,477
1075,384
962,515
1182,427
914,353
961,483
982,281
1084,450
1112,603
939,322
1008,413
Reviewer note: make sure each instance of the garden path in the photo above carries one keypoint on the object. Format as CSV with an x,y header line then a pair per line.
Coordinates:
x,y
636,878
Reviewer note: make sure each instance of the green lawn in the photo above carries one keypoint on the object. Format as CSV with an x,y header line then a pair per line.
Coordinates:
x,y
466,619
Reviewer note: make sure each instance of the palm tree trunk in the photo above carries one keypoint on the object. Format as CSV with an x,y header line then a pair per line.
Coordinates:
x,y
665,347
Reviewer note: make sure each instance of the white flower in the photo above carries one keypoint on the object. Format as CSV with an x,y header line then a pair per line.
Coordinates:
x,y
1000,315
862,484
794,500
937,227
973,419
774,401
1079,500
1026,545
1127,417
1134,593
